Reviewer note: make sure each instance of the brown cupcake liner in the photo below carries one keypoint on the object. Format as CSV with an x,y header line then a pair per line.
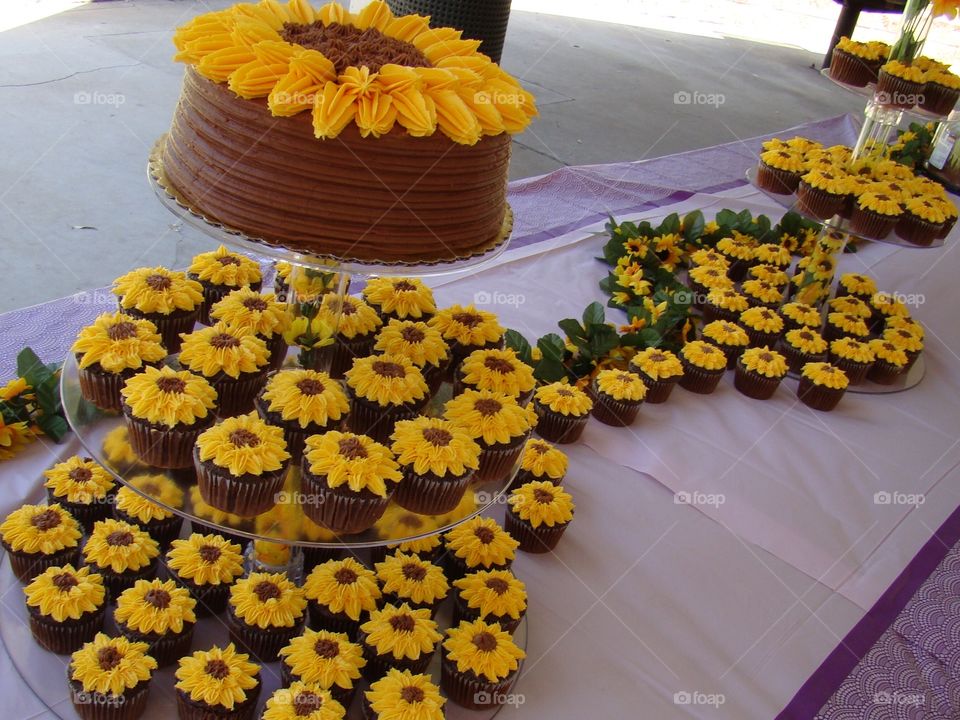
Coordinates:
x,y
85,513
818,397
340,509
796,359
871,224
939,99
341,354
849,69
164,531
780,182
367,418
947,227
884,373
538,540
754,385
471,691
130,705
321,618
165,648
278,351
344,696
658,391
246,496
856,371
235,396
462,611
498,461
524,476
558,428
431,494
188,709
103,388
211,599
698,380
170,327
712,313
68,636
894,91
616,413
116,583
817,202
263,643
293,434
26,566
170,448
916,230
379,665
758,338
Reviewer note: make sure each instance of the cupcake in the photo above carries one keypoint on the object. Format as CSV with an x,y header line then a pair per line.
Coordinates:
x,y
217,683
159,614
660,370
821,386
537,516
465,329
400,298
398,637
562,412
922,221
66,607
760,293
37,537
617,396
801,346
168,299
851,306
478,544
438,459
122,553
763,326
740,251
851,63
759,372
727,336
357,325
541,461
724,304
207,520
400,694
845,325
797,315
708,256
221,272
81,487
384,389
898,322
263,315
907,340
325,659
109,678
890,362
703,279
241,463
348,481
780,170
899,85
950,213
480,664
703,366
854,357
207,566
772,256
494,596
264,613
302,701
233,360
421,344
497,370
339,593
408,579
110,351
165,411
876,214
498,424
822,193
303,403
154,519
885,306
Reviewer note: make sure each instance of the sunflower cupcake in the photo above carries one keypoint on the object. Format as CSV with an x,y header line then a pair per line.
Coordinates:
x,y
851,61
562,412
303,403
780,170
802,346
384,389
207,566
82,487
704,279
907,340
617,396
356,326
302,701
159,614
478,544
168,299
890,362
538,514
327,660
660,370
760,293
724,304
400,298
263,315
421,344
797,315
154,519
922,220
465,329
217,683
241,463
821,386
409,579
771,255
822,193
840,324
109,678
541,461
494,596
398,637
348,481
232,359
37,537
740,251
339,593
876,213
703,366
855,357
110,351
480,664
122,553
899,84
400,694
763,326
221,272
850,305
66,607
885,306
759,372
497,370
264,613
728,336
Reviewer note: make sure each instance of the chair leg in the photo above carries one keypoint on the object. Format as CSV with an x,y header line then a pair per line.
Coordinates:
x,y
846,24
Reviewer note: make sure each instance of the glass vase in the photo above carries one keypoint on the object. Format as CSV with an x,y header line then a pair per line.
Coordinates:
x,y
917,20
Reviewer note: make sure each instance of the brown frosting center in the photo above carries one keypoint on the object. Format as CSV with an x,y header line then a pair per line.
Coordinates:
x,y
564,392
351,448
498,365
217,669
244,438
485,642
437,437
625,378
171,385
485,535
228,260
498,585
306,702
158,283
544,497
766,357
266,590
310,387
345,576
388,369
108,658
160,599
540,448
412,335
403,623
467,319
412,694
348,46
414,571
209,554
488,406
122,331
657,357
256,304
80,475
120,538
46,520
404,286
222,341
327,649
64,581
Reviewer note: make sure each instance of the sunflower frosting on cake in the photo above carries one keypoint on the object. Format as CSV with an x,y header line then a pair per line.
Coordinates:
x,y
110,666
44,529
261,313
493,592
267,600
493,417
540,459
243,445
352,460
305,397
467,326
225,349
402,695
159,487
417,341
435,445
498,370
116,342
119,547
344,586
400,298
542,503
66,593
225,268
157,290
155,607
563,398
386,380
325,658
401,631
219,677
412,579
164,396
351,316
78,480
302,701
483,649
205,559
481,543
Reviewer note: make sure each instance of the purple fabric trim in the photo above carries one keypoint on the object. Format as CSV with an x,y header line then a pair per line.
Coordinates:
x,y
838,666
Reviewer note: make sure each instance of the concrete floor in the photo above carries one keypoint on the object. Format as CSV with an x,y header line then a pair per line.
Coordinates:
x,y
84,94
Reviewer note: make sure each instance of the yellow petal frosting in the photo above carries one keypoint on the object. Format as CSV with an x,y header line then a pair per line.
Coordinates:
x,y
806,340
848,348
343,586
825,374
79,480
157,290
302,701
206,559
493,417
802,314
386,380
542,503
401,632
764,361
223,348
903,338
704,355
262,314
324,658
267,600
498,370
244,445
351,316
493,592
218,677
420,343
165,396
412,579
436,446
356,461
481,543
851,306
119,546
118,342
406,298
725,333
110,666
657,364
155,606
467,325
541,458
563,398
483,649
66,593
157,486
761,319
888,352
43,529
621,385
306,397
401,695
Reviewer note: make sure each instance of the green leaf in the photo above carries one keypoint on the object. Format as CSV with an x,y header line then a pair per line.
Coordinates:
x,y
726,218
518,343
670,224
53,426
613,250
593,315
693,224
572,329
551,367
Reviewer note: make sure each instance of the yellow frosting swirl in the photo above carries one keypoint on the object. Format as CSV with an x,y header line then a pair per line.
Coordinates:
x,y
740,246
401,695
727,299
223,348
401,632
206,559
764,361
801,313
762,290
762,319
830,181
110,666
848,348
851,306
480,541
356,461
262,314
78,480
621,385
413,579
386,380
119,546
498,370
402,297
806,341
849,324
769,274
418,342
541,458
302,701
657,364
306,396
784,159
483,649
563,398
436,446
157,291
218,677
858,284
945,78
325,658
493,592
888,305
164,396
889,352
66,593
881,201
705,256
155,606
267,600
343,586
903,71
726,333
772,254
542,503
704,355
713,277
356,318
927,209
157,486
244,445
117,448
490,416
222,267
43,529
118,342
825,374
904,339
467,325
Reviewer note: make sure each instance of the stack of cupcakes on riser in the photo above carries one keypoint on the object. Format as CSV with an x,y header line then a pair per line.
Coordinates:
x,y
221,272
